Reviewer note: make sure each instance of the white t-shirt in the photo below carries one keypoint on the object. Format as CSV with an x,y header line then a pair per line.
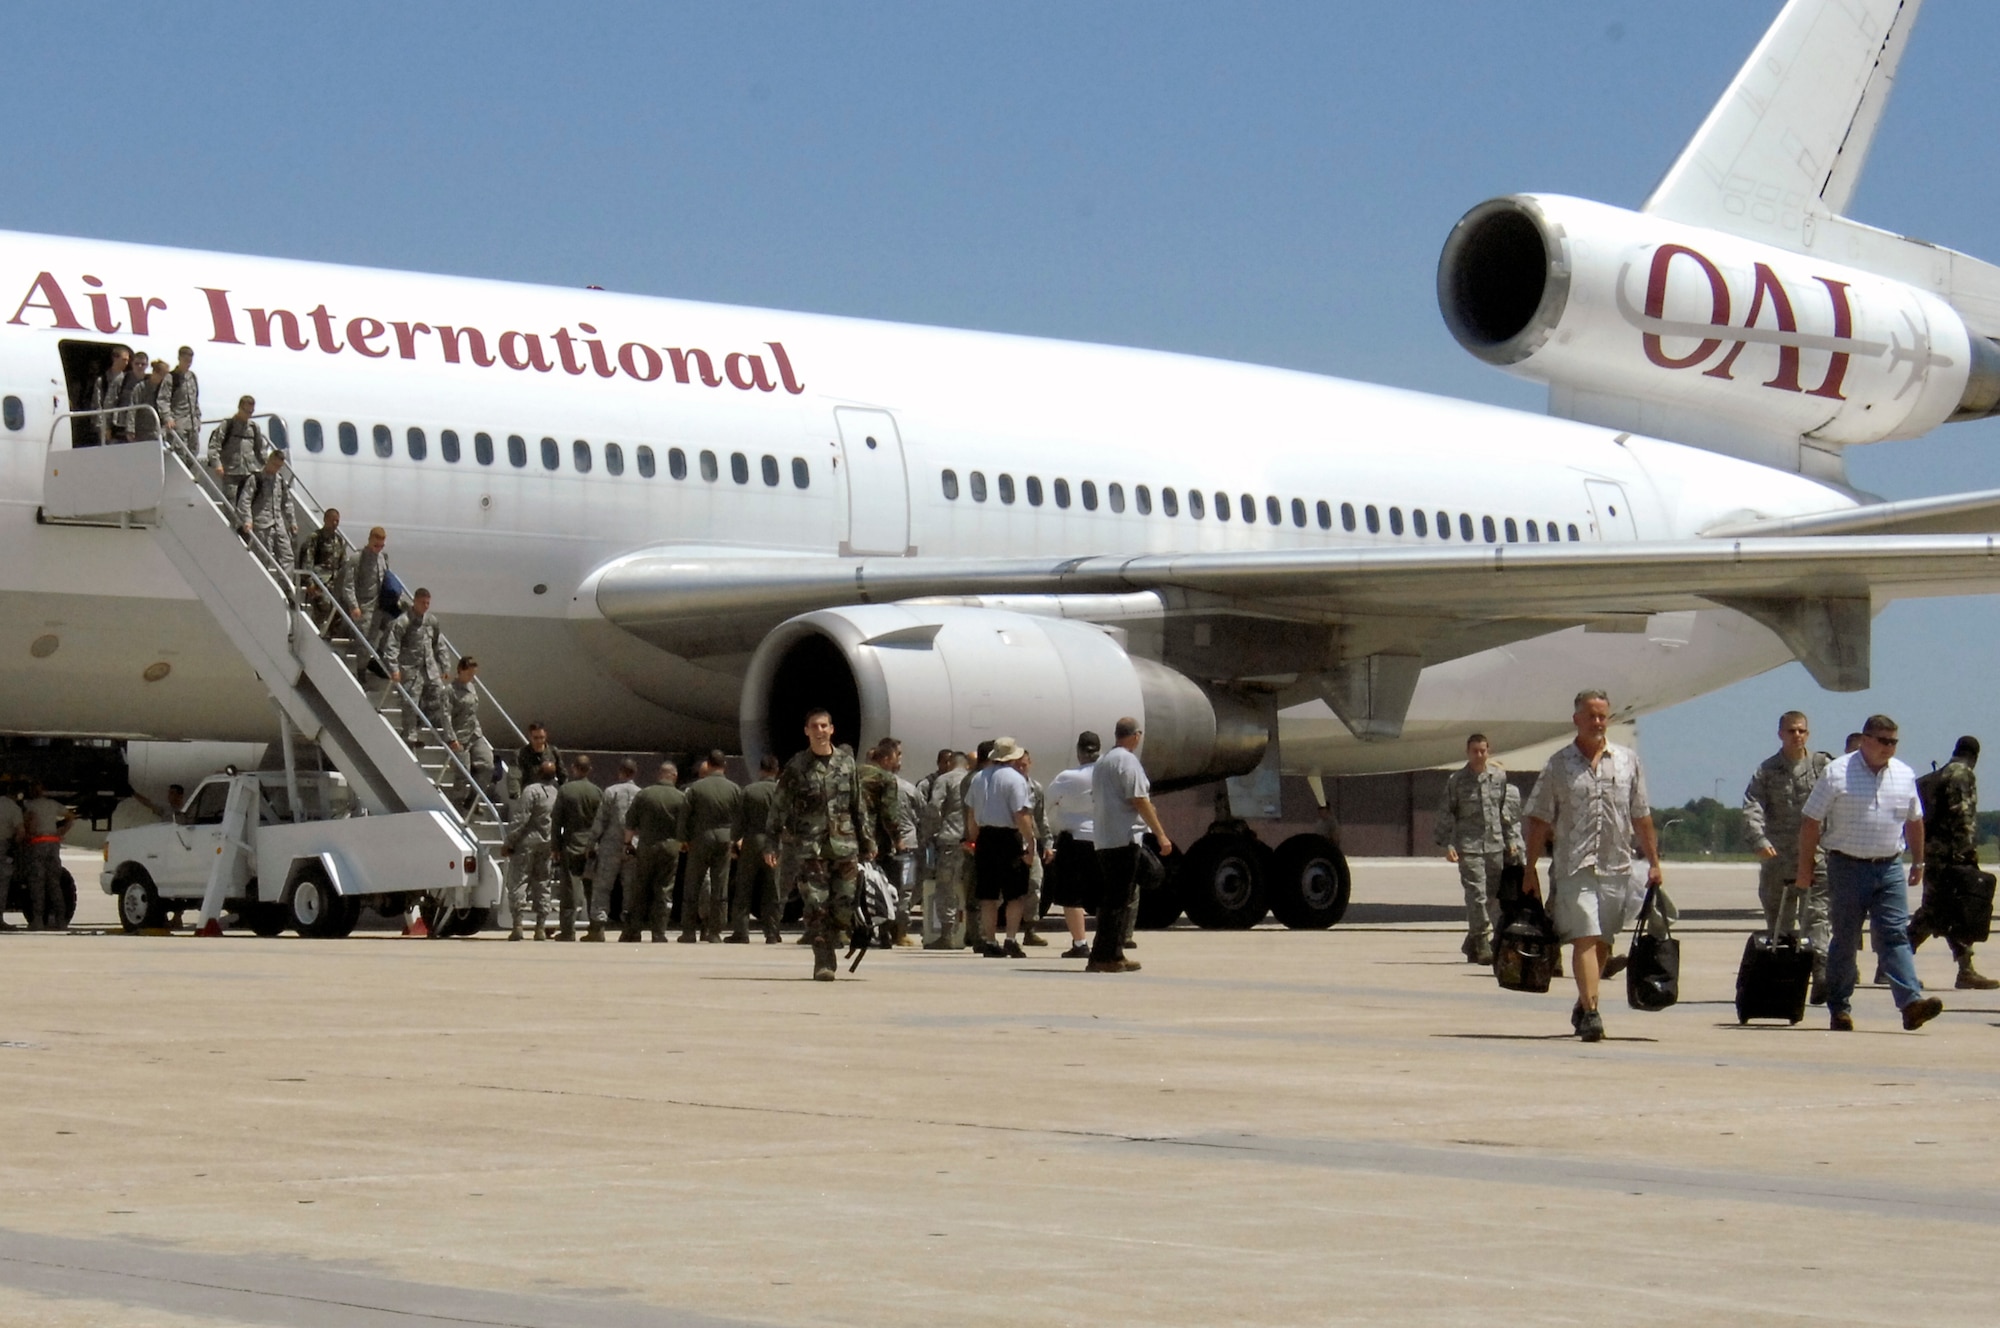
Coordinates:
x,y
1861,811
1116,780
1072,805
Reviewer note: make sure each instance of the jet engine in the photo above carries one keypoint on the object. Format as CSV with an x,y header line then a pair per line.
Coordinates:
x,y
938,676
1616,306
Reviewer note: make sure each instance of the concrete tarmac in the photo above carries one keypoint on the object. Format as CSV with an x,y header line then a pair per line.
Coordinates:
x,y
1265,1127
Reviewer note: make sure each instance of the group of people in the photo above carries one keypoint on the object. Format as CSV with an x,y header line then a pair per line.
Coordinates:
x,y
1830,833
32,830
140,399
977,839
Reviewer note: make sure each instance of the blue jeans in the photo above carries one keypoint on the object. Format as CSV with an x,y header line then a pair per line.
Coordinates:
x,y
1877,891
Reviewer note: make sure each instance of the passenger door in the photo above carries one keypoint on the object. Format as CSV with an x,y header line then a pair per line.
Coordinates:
x,y
1612,511
198,836
878,487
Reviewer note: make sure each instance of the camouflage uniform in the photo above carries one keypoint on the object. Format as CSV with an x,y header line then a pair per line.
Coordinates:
x,y
1951,839
264,504
658,820
328,555
614,864
527,845
818,814
236,448
371,574
946,911
473,748
882,804
1480,817
756,881
1031,908
415,646
1772,803
185,407
577,805
712,803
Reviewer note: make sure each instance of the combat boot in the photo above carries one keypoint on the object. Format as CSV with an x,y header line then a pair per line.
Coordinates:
x,y
541,929
596,932
567,932
825,966
628,934
773,937
711,937
517,934
1971,979
689,937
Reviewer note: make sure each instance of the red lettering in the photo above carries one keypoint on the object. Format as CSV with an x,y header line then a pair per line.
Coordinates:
x,y
100,307
52,300
475,341
361,331
406,337
1781,307
701,362
597,358
529,354
1843,326
566,348
323,328
758,378
219,315
286,322
792,384
654,364
141,311
1656,306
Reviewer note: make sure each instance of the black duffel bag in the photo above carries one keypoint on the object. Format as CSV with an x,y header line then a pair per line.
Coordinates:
x,y
1653,969
1961,902
1525,947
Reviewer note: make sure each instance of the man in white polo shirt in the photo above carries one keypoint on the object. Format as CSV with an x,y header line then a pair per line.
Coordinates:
x,y
1864,811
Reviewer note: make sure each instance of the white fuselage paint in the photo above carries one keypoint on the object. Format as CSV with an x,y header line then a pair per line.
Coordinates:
x,y
484,537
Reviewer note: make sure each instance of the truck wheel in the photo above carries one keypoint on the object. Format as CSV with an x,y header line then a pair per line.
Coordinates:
x,y
1310,883
314,909
68,899
139,906
470,921
1222,883
342,915
264,919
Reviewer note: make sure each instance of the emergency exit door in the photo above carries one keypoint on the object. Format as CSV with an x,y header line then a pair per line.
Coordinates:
x,y
878,488
1613,513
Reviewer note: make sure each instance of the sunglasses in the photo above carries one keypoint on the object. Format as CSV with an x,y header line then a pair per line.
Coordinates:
x,y
1886,742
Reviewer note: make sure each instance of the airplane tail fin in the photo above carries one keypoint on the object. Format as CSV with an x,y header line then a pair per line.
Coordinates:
x,y
1790,136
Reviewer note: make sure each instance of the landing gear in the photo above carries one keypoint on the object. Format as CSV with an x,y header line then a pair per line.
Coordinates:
x,y
1222,882
1310,883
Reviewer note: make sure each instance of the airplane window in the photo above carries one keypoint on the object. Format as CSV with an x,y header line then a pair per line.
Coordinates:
x,y
278,438
1444,525
1554,534
1572,531
1142,498
1347,516
1299,512
647,468
1486,528
1062,493
801,473
579,453
769,468
1374,519
517,450
448,444
1221,507
16,415
551,454
950,478
1465,527
1534,533
1170,502
1325,513
1395,521
385,442
1194,504
614,459
1249,510
739,467
1513,532
350,439
1089,489
677,463
1274,511
1116,493
1006,488
1418,522
710,470
1034,491
315,437
482,448
978,478
419,447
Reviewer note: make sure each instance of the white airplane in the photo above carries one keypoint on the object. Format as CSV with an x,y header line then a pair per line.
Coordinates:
x,y
663,524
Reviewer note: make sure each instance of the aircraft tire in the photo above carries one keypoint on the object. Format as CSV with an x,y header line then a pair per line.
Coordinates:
x,y
1222,883
1310,883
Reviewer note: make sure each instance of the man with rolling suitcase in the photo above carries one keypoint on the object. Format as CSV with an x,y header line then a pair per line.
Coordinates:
x,y
1778,788
1865,811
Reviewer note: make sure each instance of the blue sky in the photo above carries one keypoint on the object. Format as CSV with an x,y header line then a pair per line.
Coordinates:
x,y
1265,182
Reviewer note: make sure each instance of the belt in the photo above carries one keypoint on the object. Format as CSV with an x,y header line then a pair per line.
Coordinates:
x,y
1873,862
45,839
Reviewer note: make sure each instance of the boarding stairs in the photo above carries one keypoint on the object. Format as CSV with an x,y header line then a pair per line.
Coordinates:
x,y
322,682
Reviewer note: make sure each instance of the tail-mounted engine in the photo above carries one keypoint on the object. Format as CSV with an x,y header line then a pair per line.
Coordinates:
x,y
1626,307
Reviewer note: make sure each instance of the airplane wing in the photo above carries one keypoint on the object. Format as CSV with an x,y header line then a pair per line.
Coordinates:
x,y
1947,514
1818,594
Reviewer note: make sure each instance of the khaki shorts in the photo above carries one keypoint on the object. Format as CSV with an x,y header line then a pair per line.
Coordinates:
x,y
1591,903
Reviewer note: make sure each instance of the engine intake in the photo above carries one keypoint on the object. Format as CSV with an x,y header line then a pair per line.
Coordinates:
x,y
939,677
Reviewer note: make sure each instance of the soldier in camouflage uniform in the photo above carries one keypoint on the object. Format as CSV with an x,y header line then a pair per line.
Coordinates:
x,y
1777,791
615,860
755,884
1479,824
468,739
947,909
264,509
823,834
526,849
1045,851
713,800
236,448
325,552
184,398
414,648
655,826
1951,839
890,820
577,804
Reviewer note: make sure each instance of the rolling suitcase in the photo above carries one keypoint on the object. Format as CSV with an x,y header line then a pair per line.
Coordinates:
x,y
1776,971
